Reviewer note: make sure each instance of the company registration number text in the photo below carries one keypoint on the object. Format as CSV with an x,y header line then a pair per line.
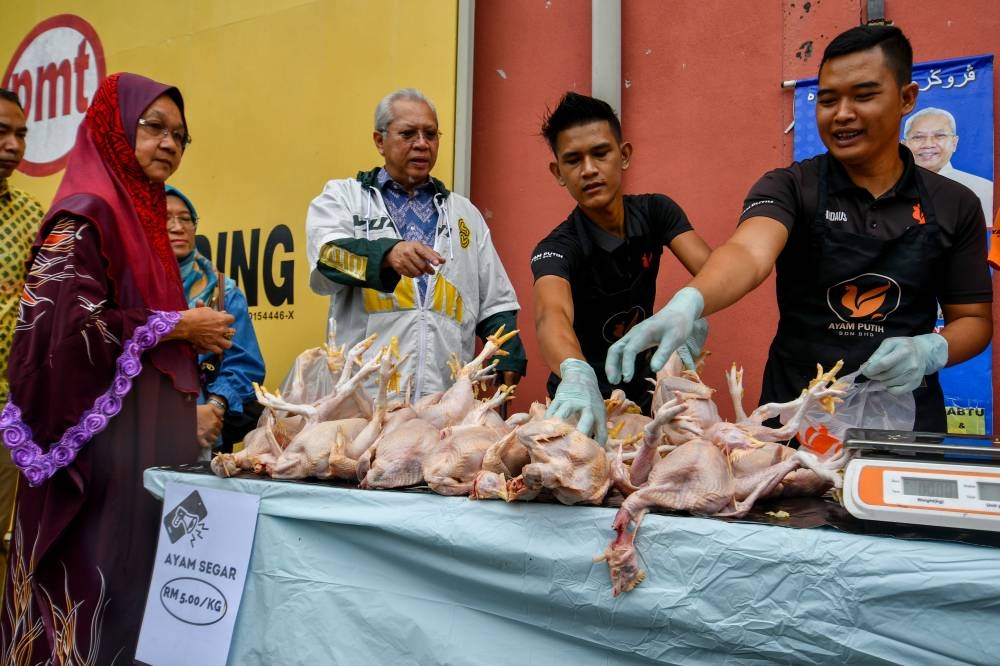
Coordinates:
x,y
280,315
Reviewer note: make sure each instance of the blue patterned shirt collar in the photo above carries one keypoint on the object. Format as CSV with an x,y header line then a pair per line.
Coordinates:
x,y
415,215
385,182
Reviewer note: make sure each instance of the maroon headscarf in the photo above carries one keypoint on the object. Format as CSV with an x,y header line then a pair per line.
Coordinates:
x,y
105,184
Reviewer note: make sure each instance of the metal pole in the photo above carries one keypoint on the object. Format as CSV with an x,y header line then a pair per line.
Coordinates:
x,y
606,52
876,11
462,182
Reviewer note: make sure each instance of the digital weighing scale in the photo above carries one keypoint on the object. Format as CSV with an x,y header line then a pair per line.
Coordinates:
x,y
923,478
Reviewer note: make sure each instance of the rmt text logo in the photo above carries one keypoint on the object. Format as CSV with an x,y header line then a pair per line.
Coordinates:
x,y
55,71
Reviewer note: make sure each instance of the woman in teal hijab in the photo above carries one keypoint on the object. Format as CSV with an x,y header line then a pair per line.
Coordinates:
x,y
225,406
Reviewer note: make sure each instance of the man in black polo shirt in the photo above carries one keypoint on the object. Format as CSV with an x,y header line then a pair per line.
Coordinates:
x,y
866,244
595,274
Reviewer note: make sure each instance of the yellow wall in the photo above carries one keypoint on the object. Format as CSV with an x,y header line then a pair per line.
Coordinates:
x,y
280,97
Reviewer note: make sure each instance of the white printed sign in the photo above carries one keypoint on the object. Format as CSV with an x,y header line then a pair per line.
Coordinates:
x,y
206,536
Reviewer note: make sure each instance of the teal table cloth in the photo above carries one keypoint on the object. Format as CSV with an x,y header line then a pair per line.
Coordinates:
x,y
347,576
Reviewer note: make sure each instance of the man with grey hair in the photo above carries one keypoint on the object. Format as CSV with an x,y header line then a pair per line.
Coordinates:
x,y
399,255
931,134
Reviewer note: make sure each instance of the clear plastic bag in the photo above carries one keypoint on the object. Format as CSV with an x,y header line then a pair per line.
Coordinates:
x,y
309,378
865,405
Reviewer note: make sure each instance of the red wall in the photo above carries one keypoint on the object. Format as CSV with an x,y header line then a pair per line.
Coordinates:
x,y
703,106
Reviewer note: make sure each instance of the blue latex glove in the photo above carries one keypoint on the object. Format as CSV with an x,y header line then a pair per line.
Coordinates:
x,y
694,345
667,330
579,396
901,363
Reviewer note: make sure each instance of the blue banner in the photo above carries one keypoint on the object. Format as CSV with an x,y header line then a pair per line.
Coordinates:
x,y
950,131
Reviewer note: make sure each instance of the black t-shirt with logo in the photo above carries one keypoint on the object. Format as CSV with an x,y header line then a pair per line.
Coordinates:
x,y
790,196
613,280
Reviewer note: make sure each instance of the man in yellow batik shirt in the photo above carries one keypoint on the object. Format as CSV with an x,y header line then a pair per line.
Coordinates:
x,y
20,216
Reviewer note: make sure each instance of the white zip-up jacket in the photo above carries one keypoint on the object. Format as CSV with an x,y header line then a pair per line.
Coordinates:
x,y
471,286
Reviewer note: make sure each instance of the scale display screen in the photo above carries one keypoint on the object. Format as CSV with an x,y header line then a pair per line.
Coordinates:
x,y
926,487
941,493
989,492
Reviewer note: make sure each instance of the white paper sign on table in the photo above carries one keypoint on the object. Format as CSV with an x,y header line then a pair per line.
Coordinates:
x,y
206,536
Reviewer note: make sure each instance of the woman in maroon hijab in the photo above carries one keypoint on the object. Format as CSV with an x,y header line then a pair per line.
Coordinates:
x,y
103,383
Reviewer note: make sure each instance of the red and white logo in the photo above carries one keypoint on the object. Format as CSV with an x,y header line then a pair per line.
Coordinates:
x,y
55,71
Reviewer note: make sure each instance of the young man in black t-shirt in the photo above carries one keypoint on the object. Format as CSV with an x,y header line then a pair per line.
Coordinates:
x,y
595,274
865,243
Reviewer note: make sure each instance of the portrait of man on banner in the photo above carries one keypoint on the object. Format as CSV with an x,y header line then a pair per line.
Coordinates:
x,y
931,134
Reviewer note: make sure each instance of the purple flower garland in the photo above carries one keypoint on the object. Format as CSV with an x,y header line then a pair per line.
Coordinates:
x,y
28,456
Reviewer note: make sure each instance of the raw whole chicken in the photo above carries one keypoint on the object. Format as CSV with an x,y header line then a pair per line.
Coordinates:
x,y
675,382
346,451
700,476
453,405
626,422
308,453
397,457
451,467
297,439
348,399
261,448
572,466
536,412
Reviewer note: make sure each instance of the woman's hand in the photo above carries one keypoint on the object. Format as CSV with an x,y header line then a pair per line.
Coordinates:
x,y
206,329
209,425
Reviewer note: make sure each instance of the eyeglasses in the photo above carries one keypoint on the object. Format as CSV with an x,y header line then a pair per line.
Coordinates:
x,y
184,220
936,137
414,135
156,128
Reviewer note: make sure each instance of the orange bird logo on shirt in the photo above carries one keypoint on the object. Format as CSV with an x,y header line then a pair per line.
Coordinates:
x,y
621,328
918,214
865,303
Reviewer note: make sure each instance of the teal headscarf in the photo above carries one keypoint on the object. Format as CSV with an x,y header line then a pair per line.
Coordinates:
x,y
197,272
187,202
